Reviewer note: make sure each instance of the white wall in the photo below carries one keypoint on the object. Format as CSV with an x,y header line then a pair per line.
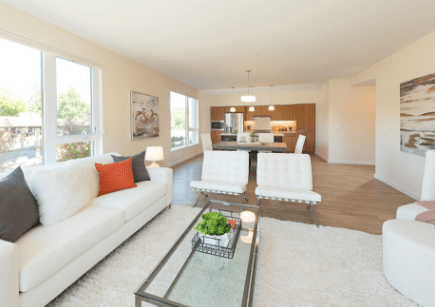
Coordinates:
x,y
120,76
401,170
351,123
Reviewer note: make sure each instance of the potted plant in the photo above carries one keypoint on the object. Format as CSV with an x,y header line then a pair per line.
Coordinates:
x,y
214,229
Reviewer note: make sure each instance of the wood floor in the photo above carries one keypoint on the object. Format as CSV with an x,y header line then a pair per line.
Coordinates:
x,y
351,197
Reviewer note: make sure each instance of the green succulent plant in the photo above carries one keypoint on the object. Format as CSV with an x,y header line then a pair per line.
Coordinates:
x,y
213,223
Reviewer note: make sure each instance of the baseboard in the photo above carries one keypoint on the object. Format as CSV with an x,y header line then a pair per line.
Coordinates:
x,y
321,156
397,187
173,163
341,161
350,162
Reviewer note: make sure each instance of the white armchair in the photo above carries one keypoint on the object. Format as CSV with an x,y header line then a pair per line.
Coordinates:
x,y
286,177
409,246
206,142
300,144
223,172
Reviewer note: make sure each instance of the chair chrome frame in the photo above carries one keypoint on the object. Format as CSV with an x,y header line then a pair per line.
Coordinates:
x,y
311,203
206,191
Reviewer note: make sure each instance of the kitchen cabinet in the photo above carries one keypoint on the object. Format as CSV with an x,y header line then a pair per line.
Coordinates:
x,y
311,117
310,142
239,109
279,113
216,136
290,140
217,113
290,112
301,117
250,115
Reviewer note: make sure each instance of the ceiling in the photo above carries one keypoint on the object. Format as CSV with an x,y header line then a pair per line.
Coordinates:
x,y
210,44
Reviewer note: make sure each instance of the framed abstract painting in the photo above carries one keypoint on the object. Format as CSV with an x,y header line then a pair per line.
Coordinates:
x,y
417,115
144,111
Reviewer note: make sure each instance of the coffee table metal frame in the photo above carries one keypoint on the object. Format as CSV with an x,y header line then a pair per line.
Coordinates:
x,y
142,296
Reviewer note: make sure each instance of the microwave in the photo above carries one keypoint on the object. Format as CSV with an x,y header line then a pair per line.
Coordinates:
x,y
217,125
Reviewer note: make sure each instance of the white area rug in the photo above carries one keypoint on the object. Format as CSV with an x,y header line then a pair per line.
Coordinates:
x,y
298,265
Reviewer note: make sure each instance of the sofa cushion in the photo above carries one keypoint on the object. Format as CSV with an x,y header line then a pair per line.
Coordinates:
x,y
287,193
218,186
409,212
18,209
61,189
115,176
45,249
133,201
140,172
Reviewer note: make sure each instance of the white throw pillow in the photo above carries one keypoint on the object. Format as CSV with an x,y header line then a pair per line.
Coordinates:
x,y
61,190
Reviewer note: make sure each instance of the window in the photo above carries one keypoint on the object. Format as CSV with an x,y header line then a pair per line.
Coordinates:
x,y
47,108
184,121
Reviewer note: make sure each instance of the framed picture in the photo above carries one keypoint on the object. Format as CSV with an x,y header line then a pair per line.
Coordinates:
x,y
144,111
417,115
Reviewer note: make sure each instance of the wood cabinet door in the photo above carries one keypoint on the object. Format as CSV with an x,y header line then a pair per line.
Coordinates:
x,y
239,109
279,113
215,136
311,117
250,115
301,117
217,113
310,142
290,112
290,141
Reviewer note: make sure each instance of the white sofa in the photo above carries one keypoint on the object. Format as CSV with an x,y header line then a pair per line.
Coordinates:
x,y
47,259
409,246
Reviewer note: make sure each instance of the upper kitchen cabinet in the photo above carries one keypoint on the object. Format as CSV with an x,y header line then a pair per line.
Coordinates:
x,y
290,112
250,115
301,117
279,113
311,117
217,113
239,109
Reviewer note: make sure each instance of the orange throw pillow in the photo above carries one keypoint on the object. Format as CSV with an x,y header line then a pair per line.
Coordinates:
x,y
115,176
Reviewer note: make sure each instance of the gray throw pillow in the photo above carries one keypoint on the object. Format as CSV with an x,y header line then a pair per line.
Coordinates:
x,y
140,172
18,208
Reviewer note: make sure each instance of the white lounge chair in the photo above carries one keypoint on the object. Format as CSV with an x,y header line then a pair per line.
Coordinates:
x,y
223,172
286,177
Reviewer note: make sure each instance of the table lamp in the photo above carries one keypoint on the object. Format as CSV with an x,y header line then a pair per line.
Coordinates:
x,y
154,153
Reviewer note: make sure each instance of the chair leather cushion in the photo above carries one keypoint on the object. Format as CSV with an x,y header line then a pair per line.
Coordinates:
x,y
296,194
218,186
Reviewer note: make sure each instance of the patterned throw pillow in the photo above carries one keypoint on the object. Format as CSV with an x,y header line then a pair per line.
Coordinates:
x,y
115,176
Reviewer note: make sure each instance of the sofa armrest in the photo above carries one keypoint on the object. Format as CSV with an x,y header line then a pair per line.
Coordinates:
x,y
163,174
9,284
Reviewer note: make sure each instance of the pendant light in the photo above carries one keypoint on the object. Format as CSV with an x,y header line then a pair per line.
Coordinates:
x,y
249,98
271,107
232,109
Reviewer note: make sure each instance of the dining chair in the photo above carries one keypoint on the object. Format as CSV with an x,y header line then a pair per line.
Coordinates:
x,y
300,144
266,138
206,142
223,172
286,177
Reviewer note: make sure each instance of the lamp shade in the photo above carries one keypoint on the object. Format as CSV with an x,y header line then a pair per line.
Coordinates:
x,y
233,109
271,108
154,153
248,98
251,109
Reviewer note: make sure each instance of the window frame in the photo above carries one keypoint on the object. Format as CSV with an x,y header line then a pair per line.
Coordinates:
x,y
49,136
195,122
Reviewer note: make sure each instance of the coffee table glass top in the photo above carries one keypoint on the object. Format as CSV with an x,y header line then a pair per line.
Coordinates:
x,y
185,277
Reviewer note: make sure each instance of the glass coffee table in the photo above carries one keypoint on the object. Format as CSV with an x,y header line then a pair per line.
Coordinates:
x,y
191,275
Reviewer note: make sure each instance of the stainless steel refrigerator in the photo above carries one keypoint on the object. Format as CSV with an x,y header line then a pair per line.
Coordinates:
x,y
233,122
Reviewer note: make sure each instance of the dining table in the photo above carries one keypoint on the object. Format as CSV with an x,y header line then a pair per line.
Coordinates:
x,y
257,146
